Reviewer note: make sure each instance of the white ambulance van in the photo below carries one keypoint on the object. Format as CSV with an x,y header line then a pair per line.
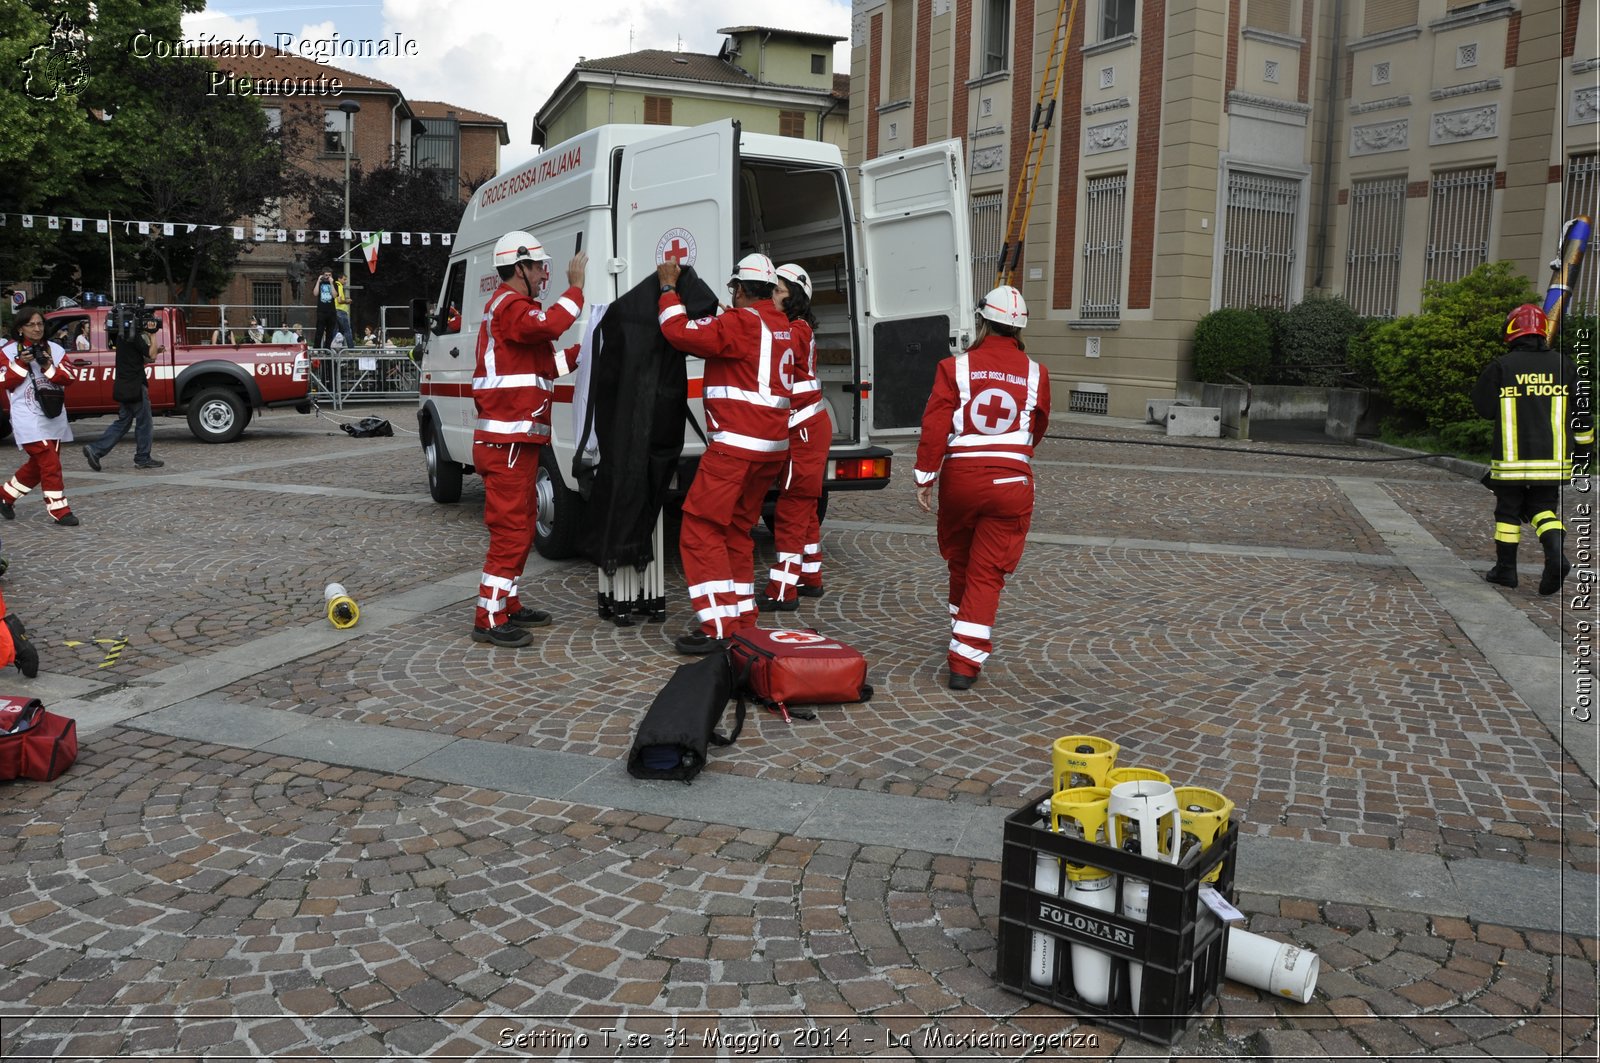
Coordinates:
x,y
898,285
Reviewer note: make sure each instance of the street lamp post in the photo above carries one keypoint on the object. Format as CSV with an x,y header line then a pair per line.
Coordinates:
x,y
350,108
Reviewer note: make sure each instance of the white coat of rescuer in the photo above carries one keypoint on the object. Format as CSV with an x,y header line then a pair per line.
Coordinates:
x,y
989,408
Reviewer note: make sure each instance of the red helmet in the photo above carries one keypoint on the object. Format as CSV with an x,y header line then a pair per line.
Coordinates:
x,y
1525,320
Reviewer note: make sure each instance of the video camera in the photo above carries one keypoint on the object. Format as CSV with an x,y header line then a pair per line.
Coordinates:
x,y
128,319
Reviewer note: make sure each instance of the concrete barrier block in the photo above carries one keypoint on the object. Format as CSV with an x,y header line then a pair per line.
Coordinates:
x,y
1155,410
1195,421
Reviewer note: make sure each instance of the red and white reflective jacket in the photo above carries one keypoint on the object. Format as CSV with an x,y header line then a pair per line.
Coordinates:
x,y
807,399
518,362
750,369
990,405
28,422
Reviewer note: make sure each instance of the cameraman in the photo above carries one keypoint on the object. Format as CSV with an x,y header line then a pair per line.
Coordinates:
x,y
131,391
35,375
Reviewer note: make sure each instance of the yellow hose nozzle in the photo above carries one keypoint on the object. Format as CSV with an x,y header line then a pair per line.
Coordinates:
x,y
343,611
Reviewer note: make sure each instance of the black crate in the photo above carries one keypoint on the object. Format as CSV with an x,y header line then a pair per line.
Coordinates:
x,y
1183,945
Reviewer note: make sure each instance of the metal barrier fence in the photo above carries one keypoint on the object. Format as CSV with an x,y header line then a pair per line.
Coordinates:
x,y
362,374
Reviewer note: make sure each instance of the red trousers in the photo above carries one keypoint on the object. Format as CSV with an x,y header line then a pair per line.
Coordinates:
x,y
984,514
509,509
797,533
42,467
724,503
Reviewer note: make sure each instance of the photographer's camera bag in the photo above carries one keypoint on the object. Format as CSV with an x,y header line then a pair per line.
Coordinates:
x,y
682,722
34,743
797,667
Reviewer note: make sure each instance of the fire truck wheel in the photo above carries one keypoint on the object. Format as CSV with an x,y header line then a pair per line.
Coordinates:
x,y
444,475
555,529
217,415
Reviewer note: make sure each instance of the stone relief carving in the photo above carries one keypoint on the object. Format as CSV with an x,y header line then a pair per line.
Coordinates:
x,y
1469,123
1486,85
1380,137
1108,105
1108,137
1585,105
1385,104
986,159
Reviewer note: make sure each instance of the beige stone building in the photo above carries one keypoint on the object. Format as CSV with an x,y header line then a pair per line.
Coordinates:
x,y
769,80
1215,153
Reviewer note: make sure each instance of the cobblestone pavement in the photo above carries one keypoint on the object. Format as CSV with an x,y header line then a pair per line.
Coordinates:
x,y
1232,617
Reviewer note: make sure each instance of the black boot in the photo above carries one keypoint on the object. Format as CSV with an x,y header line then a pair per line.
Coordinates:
x,y
1505,565
1556,565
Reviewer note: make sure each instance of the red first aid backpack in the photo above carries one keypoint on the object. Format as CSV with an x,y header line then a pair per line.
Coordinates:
x,y
34,744
784,668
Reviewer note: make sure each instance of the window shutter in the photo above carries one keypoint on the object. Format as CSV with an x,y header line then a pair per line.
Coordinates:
x,y
1269,15
1384,15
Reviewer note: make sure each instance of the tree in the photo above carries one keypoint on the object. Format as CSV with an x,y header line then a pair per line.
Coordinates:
x,y
397,198
91,123
1427,363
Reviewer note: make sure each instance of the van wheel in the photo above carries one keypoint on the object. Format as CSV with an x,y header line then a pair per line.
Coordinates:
x,y
444,475
217,415
557,511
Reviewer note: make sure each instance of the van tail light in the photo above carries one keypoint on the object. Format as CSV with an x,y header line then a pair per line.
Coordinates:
x,y
861,469
302,365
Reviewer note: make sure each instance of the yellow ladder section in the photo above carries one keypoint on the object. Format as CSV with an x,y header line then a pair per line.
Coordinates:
x,y
1044,113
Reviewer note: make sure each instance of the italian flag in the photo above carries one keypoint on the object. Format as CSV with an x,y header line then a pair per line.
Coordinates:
x,y
369,248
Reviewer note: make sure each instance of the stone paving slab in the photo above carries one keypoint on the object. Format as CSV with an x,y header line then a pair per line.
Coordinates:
x,y
170,897
175,898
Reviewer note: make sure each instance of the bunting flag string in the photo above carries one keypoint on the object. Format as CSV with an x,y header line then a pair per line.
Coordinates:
x,y
253,234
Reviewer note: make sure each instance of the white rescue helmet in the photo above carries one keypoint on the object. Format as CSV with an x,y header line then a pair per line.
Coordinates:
x,y
754,269
793,275
518,246
1005,306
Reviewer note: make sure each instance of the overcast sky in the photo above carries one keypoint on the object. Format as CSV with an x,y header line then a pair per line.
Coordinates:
x,y
505,57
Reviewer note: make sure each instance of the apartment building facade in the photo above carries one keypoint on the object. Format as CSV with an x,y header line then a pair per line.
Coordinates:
x,y
770,80
460,146
1221,153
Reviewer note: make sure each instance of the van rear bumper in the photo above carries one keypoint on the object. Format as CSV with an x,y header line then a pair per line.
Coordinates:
x,y
863,469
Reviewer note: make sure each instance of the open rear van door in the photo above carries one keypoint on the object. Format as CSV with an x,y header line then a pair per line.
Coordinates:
x,y
916,243
676,200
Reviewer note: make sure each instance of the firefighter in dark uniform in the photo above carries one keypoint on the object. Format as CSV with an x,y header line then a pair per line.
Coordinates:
x,y
1529,392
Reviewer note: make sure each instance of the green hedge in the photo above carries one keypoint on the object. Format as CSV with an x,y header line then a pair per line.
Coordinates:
x,y
1231,341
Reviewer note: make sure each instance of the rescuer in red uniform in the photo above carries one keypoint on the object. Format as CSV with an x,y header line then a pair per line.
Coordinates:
x,y
512,385
797,530
989,408
748,375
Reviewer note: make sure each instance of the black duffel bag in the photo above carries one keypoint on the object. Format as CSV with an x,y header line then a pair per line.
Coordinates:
x,y
682,721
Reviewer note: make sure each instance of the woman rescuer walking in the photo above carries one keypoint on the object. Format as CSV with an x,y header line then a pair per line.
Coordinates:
x,y
35,375
990,406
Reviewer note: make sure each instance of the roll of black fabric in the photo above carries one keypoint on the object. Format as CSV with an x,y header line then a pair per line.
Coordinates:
x,y
681,723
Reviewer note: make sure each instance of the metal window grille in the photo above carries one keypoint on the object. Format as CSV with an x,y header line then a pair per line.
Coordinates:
x,y
1372,263
986,237
268,299
1458,222
1102,248
438,148
1088,402
1583,197
1258,252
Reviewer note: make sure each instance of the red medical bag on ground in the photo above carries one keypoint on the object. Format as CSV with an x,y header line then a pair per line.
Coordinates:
x,y
34,744
797,667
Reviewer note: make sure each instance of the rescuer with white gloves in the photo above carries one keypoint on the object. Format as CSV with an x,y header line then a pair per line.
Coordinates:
x,y
512,389
748,376
989,408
